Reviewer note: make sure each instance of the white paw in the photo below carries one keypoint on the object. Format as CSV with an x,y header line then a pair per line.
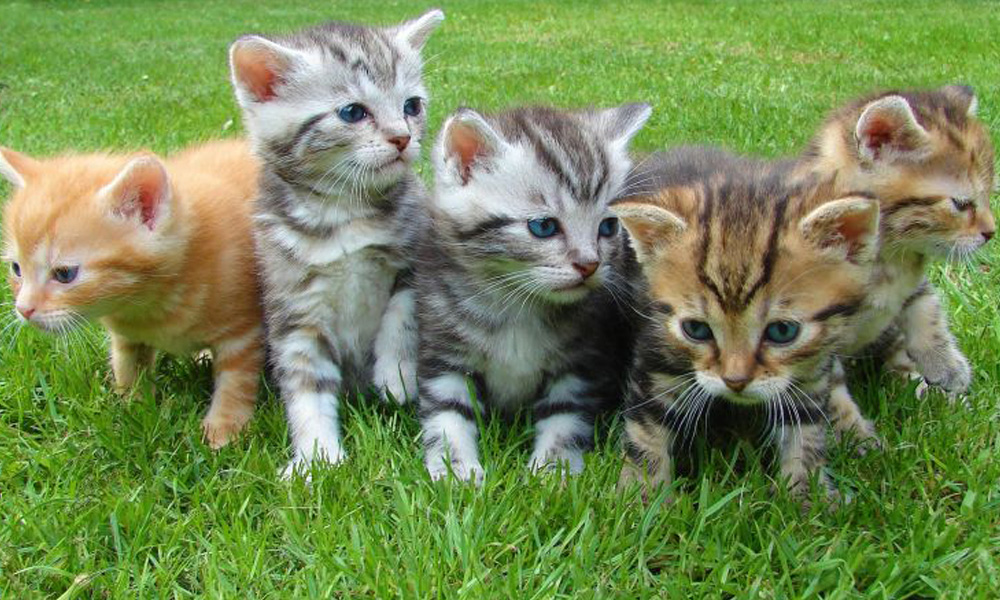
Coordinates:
x,y
302,464
570,459
396,382
469,472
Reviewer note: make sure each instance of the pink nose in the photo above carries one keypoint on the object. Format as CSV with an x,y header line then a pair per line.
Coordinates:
x,y
400,142
585,269
26,312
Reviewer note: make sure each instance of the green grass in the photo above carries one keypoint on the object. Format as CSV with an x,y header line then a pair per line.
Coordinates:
x,y
103,498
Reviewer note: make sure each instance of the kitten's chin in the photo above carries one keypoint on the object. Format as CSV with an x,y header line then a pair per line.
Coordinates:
x,y
567,295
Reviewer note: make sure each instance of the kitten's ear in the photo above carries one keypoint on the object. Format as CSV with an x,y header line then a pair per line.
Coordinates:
x,y
415,32
140,192
623,122
258,66
651,227
17,168
965,96
888,129
847,228
468,140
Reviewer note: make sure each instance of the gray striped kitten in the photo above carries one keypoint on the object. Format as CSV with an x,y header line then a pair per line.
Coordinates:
x,y
336,113
522,281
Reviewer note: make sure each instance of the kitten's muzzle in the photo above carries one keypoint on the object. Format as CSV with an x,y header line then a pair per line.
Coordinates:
x,y
399,141
736,383
586,269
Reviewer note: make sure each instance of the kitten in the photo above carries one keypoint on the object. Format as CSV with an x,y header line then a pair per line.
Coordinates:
x,y
522,280
929,161
750,291
337,115
159,252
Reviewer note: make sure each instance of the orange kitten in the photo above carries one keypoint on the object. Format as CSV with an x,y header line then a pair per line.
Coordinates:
x,y
159,252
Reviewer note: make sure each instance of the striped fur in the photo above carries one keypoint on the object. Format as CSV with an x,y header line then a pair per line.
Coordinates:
x,y
328,224
930,162
731,246
506,319
165,257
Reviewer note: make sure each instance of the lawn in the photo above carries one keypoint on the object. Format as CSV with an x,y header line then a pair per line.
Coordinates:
x,y
104,498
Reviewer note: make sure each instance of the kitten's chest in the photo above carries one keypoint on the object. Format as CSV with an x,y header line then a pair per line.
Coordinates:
x,y
891,285
514,361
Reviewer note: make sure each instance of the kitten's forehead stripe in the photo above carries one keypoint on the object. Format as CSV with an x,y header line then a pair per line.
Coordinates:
x,y
563,146
365,49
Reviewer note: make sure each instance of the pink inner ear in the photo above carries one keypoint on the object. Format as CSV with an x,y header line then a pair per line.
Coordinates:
x,y
853,228
466,143
143,193
878,134
258,71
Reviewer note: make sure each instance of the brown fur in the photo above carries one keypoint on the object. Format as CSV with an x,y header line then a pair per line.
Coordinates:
x,y
915,165
738,249
182,282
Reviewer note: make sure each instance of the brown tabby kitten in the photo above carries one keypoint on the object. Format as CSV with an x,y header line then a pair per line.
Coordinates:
x,y
159,252
929,161
751,292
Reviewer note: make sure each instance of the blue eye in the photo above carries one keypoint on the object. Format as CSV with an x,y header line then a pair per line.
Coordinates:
x,y
543,228
65,274
698,331
608,227
412,106
352,113
16,269
782,332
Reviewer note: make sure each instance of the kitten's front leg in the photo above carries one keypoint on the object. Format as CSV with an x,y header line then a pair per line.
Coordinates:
x,y
802,450
649,441
309,379
237,363
845,416
564,426
395,372
449,430
931,344
128,359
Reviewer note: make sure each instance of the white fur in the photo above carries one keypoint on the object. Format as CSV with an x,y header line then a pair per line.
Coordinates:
x,y
550,449
395,371
458,450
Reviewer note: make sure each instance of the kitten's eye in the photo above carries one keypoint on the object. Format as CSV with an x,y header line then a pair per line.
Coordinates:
x,y
782,332
698,331
962,204
352,113
15,269
65,274
608,227
543,228
412,106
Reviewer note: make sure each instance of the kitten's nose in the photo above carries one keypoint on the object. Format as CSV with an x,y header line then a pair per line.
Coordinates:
x,y
26,312
738,383
585,269
988,235
400,141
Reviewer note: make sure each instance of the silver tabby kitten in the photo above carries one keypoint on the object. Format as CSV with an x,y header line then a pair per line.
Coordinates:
x,y
336,113
522,282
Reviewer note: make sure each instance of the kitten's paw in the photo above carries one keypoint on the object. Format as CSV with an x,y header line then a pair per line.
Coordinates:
x,y
569,460
302,465
952,374
863,431
395,383
467,472
219,430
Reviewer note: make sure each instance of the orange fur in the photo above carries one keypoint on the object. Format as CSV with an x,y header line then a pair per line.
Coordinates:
x,y
178,275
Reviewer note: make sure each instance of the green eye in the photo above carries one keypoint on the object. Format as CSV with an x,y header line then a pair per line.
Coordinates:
x,y
782,332
698,331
